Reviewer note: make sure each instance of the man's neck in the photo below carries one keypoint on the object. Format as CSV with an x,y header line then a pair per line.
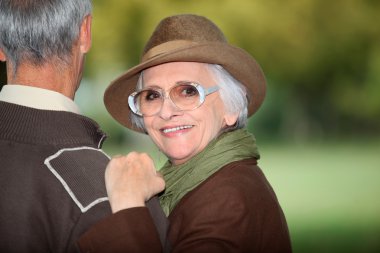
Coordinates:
x,y
48,76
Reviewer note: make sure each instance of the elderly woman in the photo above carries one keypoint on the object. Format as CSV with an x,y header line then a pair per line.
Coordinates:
x,y
192,94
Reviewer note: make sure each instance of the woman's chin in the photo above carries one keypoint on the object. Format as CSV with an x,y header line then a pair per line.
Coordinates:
x,y
178,158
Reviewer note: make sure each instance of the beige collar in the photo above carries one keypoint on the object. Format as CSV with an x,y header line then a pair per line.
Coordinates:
x,y
37,98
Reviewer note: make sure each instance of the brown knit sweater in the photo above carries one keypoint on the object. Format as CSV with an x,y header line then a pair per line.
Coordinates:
x,y
51,179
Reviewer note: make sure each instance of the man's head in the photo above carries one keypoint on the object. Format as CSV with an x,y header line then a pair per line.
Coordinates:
x,y
36,32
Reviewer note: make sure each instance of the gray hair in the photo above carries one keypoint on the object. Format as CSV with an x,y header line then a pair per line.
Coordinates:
x,y
232,93
36,31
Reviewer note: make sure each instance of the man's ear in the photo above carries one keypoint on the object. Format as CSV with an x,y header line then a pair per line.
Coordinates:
x,y
2,56
85,34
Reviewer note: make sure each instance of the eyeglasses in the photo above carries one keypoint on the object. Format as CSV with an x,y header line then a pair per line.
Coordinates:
x,y
186,96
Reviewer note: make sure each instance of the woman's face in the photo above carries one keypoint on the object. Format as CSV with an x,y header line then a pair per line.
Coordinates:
x,y
183,134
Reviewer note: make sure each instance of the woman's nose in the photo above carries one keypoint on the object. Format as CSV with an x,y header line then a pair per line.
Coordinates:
x,y
168,110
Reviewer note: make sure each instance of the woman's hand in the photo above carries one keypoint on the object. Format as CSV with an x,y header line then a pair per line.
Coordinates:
x,y
131,180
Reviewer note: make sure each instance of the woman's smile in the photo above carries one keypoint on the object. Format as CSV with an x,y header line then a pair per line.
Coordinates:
x,y
175,130
181,134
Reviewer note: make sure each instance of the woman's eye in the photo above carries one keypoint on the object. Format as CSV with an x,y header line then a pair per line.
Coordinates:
x,y
152,95
189,91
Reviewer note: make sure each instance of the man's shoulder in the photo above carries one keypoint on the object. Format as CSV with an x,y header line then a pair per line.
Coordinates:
x,y
44,127
80,170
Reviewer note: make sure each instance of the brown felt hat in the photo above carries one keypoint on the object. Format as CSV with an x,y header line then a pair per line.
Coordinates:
x,y
187,38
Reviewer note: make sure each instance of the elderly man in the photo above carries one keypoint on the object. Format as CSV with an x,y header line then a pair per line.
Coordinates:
x,y
52,166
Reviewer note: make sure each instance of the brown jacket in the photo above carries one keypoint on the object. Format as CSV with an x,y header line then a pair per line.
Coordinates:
x,y
235,210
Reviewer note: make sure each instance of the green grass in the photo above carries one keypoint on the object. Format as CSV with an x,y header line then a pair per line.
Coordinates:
x,y
329,192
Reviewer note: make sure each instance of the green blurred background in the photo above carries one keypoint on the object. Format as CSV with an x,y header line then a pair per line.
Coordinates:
x,y
319,128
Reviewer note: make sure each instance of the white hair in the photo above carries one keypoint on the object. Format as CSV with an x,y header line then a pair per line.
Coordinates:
x,y
36,31
232,94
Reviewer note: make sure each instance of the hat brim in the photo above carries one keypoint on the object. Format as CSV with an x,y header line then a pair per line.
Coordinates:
x,y
241,65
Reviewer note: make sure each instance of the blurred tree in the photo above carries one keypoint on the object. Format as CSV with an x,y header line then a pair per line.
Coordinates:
x,y
321,59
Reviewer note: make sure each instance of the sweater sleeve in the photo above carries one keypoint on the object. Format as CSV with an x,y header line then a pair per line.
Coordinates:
x,y
129,230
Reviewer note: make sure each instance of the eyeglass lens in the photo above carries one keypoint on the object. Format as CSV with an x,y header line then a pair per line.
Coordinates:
x,y
184,96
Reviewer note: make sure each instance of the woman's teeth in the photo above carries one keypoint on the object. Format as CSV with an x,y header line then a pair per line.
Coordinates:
x,y
168,130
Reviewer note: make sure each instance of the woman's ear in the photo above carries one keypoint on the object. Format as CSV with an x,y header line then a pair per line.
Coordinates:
x,y
231,118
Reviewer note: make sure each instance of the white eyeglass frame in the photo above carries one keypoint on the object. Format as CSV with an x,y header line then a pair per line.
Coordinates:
x,y
203,92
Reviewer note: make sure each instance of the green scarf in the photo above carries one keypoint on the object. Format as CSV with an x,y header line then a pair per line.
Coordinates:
x,y
228,147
